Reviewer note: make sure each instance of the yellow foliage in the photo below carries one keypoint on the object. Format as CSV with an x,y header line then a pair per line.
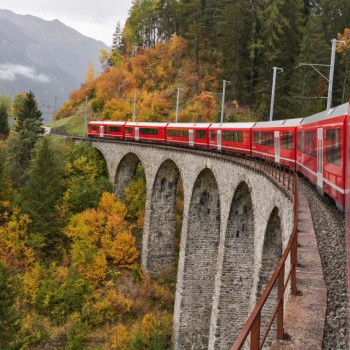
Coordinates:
x,y
120,338
110,206
13,235
90,262
31,282
90,73
101,234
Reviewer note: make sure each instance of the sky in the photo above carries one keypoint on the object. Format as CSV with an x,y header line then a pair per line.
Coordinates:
x,y
94,18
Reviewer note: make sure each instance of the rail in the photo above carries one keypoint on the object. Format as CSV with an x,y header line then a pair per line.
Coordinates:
x,y
253,323
288,180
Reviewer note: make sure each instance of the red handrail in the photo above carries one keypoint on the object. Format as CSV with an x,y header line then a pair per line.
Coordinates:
x,y
253,323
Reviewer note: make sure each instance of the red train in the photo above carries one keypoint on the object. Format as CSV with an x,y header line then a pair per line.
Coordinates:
x,y
315,146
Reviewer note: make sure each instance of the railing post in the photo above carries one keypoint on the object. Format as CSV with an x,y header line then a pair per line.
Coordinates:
x,y
279,175
288,179
255,333
280,300
293,258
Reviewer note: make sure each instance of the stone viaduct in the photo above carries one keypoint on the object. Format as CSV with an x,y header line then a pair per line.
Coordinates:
x,y
236,224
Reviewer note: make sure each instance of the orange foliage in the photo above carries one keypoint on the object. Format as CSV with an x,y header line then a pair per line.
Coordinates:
x,y
155,75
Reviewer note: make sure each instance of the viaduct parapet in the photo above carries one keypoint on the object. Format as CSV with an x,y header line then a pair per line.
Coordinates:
x,y
236,224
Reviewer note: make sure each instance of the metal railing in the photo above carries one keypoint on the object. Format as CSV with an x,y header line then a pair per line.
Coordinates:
x,y
252,326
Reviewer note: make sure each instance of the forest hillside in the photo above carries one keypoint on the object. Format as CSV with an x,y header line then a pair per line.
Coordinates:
x,y
195,45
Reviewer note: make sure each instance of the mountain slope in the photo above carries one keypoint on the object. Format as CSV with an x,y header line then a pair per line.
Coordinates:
x,y
47,57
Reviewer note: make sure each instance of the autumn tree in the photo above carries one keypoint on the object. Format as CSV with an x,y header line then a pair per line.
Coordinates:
x,y
100,238
344,51
90,73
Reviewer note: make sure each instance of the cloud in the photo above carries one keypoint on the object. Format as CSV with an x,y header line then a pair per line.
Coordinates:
x,y
10,71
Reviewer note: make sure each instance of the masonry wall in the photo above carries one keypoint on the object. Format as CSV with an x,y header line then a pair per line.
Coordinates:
x,y
221,249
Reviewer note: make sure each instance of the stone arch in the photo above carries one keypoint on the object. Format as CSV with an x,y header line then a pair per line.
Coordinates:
x,y
272,250
161,240
271,255
126,170
237,270
200,260
106,169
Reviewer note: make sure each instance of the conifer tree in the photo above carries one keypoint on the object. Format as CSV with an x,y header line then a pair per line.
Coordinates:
x,y
40,197
29,116
307,86
5,186
4,123
29,129
9,320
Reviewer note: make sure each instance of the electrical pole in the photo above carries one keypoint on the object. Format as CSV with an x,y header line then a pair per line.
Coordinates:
x,y
134,114
273,90
177,104
224,82
331,71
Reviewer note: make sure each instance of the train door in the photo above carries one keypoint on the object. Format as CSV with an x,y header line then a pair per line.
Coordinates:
x,y
191,137
219,140
137,134
277,146
101,131
320,158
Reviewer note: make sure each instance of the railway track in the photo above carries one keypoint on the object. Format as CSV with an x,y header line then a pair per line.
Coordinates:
x,y
329,225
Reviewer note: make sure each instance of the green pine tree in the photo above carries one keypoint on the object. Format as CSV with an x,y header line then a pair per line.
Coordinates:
x,y
29,113
4,123
29,129
40,197
9,319
307,86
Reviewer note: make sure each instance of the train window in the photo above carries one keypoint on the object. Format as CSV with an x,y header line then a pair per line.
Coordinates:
x,y
333,146
200,134
177,132
263,138
94,127
233,136
287,140
149,131
247,135
307,142
129,130
212,135
114,129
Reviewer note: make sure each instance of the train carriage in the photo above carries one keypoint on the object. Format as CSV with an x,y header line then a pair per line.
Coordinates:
x,y
188,134
231,137
321,151
276,141
106,129
142,131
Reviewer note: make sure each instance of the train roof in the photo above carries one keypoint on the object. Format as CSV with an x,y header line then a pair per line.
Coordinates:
x,y
279,123
246,125
328,114
146,124
189,125
107,122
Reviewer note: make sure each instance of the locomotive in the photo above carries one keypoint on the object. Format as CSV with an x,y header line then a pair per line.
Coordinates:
x,y
314,146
